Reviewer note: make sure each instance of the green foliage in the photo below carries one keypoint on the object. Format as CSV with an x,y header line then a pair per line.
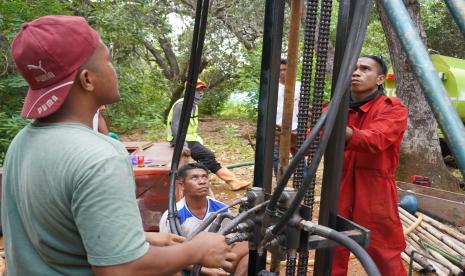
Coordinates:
x,y
238,111
442,32
10,125
232,53
13,88
143,99
13,13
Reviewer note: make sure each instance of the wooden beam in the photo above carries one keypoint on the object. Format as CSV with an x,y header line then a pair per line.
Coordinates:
x,y
439,207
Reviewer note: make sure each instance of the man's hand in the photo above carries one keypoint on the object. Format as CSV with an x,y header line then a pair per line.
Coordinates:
x,y
213,250
349,132
186,151
163,239
213,272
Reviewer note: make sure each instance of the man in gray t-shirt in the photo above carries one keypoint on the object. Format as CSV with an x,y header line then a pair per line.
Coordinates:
x,y
68,198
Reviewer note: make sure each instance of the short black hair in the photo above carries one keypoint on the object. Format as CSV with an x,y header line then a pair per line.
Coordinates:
x,y
283,61
378,59
188,167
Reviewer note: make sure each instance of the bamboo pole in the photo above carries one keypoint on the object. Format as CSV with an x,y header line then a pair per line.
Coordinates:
x,y
452,232
450,242
425,235
455,270
427,243
289,87
419,259
438,267
406,258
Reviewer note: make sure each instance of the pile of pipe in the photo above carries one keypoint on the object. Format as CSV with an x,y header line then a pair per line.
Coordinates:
x,y
436,247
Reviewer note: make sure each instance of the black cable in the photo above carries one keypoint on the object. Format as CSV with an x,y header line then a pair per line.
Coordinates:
x,y
226,230
193,73
317,108
326,232
215,226
241,217
270,209
351,54
249,197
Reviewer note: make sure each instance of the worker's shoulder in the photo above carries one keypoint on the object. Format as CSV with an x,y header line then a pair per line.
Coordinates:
x,y
215,205
87,143
179,101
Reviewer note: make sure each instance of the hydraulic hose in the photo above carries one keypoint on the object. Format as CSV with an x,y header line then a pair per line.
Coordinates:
x,y
241,217
300,154
294,163
226,230
238,165
249,197
340,238
351,53
193,73
215,226
209,220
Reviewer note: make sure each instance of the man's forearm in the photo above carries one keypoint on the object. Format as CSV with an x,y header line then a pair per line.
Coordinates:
x,y
157,261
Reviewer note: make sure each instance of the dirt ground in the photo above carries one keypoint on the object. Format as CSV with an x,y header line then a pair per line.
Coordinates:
x,y
231,141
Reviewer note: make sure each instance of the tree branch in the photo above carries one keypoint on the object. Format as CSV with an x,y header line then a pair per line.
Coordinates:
x,y
159,59
170,56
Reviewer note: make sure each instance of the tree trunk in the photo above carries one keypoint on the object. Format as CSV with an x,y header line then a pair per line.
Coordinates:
x,y
420,150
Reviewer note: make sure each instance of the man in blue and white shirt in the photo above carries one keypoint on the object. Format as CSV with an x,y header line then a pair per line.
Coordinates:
x,y
197,206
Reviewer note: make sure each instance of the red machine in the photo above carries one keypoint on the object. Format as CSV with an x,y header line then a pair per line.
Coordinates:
x,y
420,180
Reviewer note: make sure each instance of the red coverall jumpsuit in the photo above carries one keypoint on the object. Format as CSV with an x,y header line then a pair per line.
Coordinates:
x,y
368,194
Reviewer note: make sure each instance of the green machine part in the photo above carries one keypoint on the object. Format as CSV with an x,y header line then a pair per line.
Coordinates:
x,y
452,73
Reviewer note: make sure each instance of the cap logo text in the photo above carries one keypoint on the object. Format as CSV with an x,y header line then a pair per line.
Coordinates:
x,y
45,76
49,103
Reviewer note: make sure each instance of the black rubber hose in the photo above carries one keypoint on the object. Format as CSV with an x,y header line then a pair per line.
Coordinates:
x,y
283,181
241,217
294,163
193,73
215,226
208,221
351,54
226,230
326,232
249,197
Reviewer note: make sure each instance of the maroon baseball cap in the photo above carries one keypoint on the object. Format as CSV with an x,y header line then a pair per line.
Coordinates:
x,y
48,53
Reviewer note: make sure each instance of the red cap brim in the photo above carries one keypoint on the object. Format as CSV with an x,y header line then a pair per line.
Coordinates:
x,y
40,103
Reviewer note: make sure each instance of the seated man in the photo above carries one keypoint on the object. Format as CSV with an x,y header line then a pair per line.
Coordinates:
x,y
194,142
197,206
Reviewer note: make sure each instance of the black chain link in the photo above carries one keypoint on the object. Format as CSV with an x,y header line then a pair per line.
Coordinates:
x,y
290,266
304,101
317,106
303,263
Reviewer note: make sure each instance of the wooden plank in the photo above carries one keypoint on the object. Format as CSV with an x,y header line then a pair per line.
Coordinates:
x,y
133,145
432,192
160,155
444,210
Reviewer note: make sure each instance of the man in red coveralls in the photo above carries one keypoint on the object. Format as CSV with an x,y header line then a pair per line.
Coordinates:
x,y
368,194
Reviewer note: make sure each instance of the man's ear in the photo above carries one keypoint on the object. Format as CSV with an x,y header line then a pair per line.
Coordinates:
x,y
380,80
86,80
